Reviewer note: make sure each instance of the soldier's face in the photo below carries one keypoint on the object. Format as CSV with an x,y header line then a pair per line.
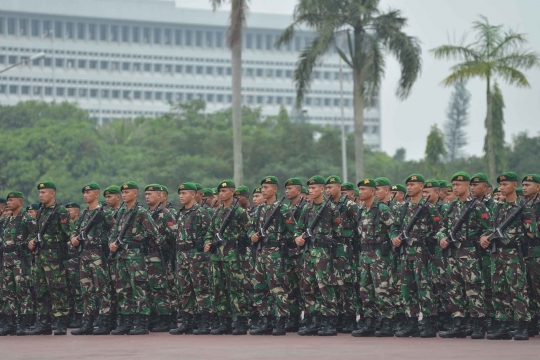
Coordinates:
x,y
414,188
129,195
112,200
529,188
382,192
14,204
73,213
268,191
366,193
243,200
478,189
258,199
315,191
199,196
450,196
164,196
293,191
349,194
442,193
400,195
225,194
460,188
46,195
186,196
90,195
33,213
433,194
152,197
507,187
333,190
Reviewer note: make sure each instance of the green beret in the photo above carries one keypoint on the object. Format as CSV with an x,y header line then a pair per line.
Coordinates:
x,y
129,185
347,186
164,188
294,181
442,183
207,192
46,185
241,190
367,182
113,189
519,191
199,186
415,178
461,176
305,190
399,187
333,179
356,192
496,190
382,181
507,176
431,183
15,195
479,178
73,205
316,180
214,191
188,186
531,178
33,207
91,186
270,180
257,190
226,184
153,187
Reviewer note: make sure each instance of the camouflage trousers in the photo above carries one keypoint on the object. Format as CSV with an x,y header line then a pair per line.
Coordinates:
x,y
487,284
441,284
112,291
96,294
533,267
509,287
131,285
229,285
466,290
74,285
271,283
159,292
395,284
195,293
375,284
319,284
16,287
346,292
294,276
416,288
50,286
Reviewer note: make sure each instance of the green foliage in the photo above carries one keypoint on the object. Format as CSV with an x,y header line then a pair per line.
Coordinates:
x,y
435,150
457,116
497,113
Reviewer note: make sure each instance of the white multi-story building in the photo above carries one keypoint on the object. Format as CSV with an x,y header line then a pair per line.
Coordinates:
x,y
126,58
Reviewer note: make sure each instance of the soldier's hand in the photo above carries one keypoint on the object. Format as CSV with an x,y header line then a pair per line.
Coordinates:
x,y
32,244
207,247
255,238
444,244
484,242
113,247
299,240
75,241
396,242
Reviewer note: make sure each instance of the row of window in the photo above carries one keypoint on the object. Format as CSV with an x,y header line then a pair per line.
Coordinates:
x,y
143,34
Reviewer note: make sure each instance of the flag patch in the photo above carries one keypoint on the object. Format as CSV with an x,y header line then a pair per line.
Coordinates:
x,y
528,221
170,223
337,220
289,221
484,216
436,218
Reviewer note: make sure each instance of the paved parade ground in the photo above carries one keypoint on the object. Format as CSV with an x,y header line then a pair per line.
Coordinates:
x,y
165,346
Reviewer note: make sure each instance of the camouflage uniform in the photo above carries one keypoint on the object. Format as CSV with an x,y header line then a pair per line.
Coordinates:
x,y
486,264
533,265
72,265
395,269
439,273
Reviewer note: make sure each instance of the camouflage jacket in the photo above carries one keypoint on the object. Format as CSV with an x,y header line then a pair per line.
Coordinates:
x,y
347,211
166,227
534,249
192,226
295,212
376,225
280,228
98,235
17,231
60,227
171,208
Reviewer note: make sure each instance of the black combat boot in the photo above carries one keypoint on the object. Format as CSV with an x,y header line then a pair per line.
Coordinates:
x,y
479,331
241,326
532,329
42,326
349,324
469,324
10,327
142,326
163,325
279,328
367,330
186,327
340,320
501,332
153,320
492,327
263,328
522,331
410,329
125,325
196,321
386,329
103,325
224,327
430,329
329,327
456,331
312,327
204,324
23,323
254,320
87,327
61,325
398,322
75,321
293,323
174,321
305,322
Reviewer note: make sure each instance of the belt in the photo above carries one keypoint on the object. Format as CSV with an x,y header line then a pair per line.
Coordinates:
x,y
136,245
509,246
93,247
10,249
468,243
322,244
52,246
534,242
371,247
269,244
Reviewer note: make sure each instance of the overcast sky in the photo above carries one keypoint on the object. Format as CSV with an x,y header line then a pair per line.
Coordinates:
x,y
436,22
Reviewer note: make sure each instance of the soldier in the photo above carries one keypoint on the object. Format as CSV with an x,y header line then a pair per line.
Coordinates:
x,y
450,196
165,202
497,195
230,299
16,269
199,193
74,209
507,273
96,223
345,268
193,275
133,229
347,189
53,226
3,205
443,190
466,291
398,192
112,198
32,210
319,278
242,192
258,198
376,228
71,263
305,193
416,288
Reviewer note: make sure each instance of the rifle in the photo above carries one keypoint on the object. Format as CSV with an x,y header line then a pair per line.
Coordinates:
x,y
451,240
262,233
162,258
83,239
218,238
48,221
498,234
118,242
308,235
404,235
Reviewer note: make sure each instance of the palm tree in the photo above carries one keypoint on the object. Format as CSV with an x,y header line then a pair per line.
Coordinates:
x,y
493,53
239,9
371,34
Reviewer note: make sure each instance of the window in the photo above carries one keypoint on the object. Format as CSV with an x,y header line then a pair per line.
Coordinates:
x,y
250,99
168,69
219,39
199,69
189,97
58,29
71,92
189,69
47,28
279,73
70,63
317,75
115,94
198,38
48,90
260,99
148,95
125,34
169,96
11,26
158,95
167,36
60,91
229,71
126,94
23,28
269,73
103,32
219,70
157,36
219,98
288,74
297,43
136,95
114,33
337,102
374,129
103,65
92,32
249,72
269,42
59,63
249,41
157,68
2,59
178,37
146,35
70,30
209,39
115,66
81,31
327,102
347,102
308,101
189,40
270,100
2,87
178,69
289,100
47,62
136,34
37,90
93,93
209,70
209,97
92,64
259,72
12,59
25,90
35,27
13,89
259,41
147,67
279,100
137,67
104,94
179,97
36,62
126,66
327,75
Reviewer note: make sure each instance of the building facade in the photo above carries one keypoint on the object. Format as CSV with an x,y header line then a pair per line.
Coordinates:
x,y
128,58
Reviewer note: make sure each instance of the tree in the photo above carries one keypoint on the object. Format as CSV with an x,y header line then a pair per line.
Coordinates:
x,y
239,9
457,116
435,150
371,34
400,154
497,115
494,53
